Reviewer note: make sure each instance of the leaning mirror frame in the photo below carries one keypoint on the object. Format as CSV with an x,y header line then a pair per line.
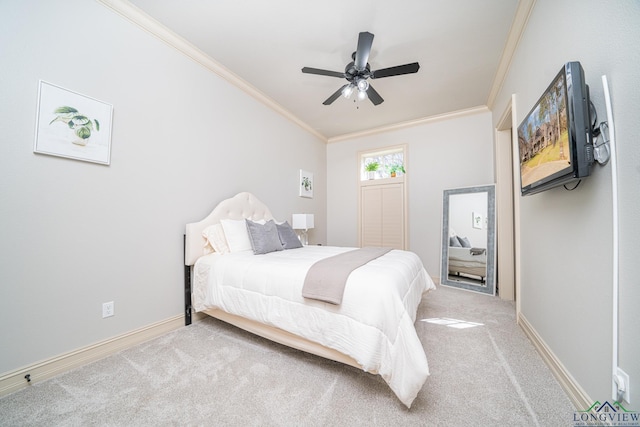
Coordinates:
x,y
491,240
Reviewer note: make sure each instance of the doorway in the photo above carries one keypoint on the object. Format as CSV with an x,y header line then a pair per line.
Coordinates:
x,y
382,203
507,205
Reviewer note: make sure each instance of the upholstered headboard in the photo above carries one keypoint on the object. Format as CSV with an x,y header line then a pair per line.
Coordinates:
x,y
241,206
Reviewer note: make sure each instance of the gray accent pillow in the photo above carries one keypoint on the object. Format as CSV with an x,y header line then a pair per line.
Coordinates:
x,y
464,242
264,237
287,236
454,242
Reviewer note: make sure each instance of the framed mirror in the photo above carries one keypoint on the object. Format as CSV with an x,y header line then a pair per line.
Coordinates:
x,y
469,239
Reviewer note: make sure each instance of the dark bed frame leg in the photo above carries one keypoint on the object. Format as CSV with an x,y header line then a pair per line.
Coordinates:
x,y
187,286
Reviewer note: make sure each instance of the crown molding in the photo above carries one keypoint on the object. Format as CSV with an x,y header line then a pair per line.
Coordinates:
x,y
515,34
410,123
136,16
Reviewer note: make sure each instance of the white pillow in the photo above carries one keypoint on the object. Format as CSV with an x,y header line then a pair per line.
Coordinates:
x,y
236,234
216,241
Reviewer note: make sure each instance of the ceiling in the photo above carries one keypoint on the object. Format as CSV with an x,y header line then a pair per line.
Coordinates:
x,y
458,43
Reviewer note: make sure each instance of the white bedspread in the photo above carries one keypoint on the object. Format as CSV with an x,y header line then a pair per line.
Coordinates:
x,y
374,324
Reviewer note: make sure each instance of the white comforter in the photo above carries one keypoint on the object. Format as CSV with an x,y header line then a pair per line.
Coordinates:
x,y
374,324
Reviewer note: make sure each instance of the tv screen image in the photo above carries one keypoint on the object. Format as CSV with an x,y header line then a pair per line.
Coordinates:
x,y
555,139
544,136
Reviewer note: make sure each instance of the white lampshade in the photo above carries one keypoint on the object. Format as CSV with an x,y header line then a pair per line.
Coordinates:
x,y
302,221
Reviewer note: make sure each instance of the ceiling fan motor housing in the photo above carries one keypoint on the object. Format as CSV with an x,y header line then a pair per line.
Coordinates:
x,y
351,73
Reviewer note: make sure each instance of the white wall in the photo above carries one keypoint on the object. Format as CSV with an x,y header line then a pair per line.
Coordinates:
x,y
444,154
76,234
566,248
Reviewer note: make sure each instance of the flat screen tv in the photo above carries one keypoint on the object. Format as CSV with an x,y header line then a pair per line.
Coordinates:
x,y
555,140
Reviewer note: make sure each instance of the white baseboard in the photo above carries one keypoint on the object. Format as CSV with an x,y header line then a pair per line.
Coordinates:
x,y
15,380
575,393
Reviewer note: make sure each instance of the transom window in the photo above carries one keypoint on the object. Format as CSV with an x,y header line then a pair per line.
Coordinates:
x,y
382,164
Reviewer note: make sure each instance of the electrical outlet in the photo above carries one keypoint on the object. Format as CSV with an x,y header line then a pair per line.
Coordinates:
x,y
107,309
623,379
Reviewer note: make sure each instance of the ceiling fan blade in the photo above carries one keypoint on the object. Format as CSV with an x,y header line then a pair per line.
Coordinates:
x,y
310,70
396,71
374,96
365,40
335,96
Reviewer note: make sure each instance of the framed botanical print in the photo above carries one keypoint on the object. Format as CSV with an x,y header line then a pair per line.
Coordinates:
x,y
477,220
305,184
72,125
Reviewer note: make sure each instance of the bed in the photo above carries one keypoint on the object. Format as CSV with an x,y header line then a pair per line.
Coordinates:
x,y
471,261
372,328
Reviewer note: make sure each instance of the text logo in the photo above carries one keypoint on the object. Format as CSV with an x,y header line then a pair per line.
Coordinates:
x,y
609,414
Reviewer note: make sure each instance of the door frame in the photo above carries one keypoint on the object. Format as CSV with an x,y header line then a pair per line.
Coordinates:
x,y
508,204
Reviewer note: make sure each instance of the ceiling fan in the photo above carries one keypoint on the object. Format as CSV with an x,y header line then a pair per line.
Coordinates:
x,y
358,71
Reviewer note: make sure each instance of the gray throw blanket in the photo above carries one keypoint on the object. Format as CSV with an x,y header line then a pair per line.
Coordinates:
x,y
326,279
477,251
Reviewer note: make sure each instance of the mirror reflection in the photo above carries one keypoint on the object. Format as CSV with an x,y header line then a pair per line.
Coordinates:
x,y
468,246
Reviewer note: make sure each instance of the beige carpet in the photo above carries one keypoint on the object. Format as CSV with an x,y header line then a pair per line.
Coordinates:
x,y
212,374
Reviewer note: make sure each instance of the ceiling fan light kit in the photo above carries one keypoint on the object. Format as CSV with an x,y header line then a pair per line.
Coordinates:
x,y
358,71
348,90
362,84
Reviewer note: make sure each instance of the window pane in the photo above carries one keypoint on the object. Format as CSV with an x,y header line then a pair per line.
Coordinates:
x,y
385,161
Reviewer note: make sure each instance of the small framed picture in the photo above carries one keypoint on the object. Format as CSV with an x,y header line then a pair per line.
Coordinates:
x,y
477,220
72,125
306,184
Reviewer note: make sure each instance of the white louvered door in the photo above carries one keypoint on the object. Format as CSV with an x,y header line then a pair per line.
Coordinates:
x,y
382,221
